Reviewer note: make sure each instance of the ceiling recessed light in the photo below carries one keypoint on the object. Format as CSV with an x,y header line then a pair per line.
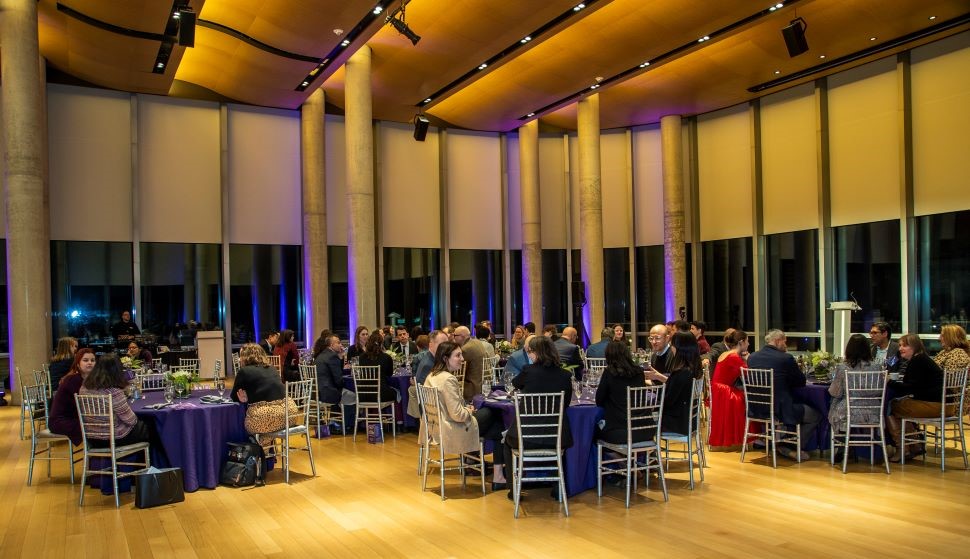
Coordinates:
x,y
160,65
531,114
525,40
776,7
594,86
176,15
378,10
777,71
821,56
932,18
704,38
428,100
579,7
304,84
483,66
344,43
872,38
645,64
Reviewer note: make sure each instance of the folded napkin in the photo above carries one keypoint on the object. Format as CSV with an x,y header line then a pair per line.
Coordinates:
x,y
212,399
498,393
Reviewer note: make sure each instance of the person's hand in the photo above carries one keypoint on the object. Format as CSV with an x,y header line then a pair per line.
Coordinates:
x,y
241,394
470,408
654,375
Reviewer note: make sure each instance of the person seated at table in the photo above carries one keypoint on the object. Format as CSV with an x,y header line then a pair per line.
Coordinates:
x,y
884,350
858,357
683,367
473,351
62,360
786,378
660,347
125,328
611,394
258,385
356,349
136,352
463,425
717,348
598,350
923,382
544,374
619,334
109,378
330,374
402,344
954,356
518,337
697,328
519,359
727,396
483,334
374,355
269,341
63,419
569,351
289,356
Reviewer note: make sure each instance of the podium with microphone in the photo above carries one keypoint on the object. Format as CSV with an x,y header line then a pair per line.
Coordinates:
x,y
842,319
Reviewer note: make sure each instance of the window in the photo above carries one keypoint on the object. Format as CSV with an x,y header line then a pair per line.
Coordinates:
x,y
867,268
728,284
476,288
411,287
650,287
942,270
339,306
4,325
792,279
516,289
616,290
181,283
265,291
91,284
554,286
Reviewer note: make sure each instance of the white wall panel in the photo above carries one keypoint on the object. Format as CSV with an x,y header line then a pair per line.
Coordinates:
x,y
648,189
552,192
180,196
724,173
89,133
265,191
789,160
864,143
615,154
409,187
336,161
941,118
514,201
474,167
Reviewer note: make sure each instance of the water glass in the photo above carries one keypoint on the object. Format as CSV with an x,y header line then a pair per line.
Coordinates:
x,y
169,393
221,386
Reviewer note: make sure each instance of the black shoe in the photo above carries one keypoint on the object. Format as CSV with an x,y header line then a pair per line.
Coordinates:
x,y
554,493
839,455
499,486
510,496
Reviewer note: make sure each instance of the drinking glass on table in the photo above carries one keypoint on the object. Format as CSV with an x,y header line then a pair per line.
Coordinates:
x,y
221,386
169,393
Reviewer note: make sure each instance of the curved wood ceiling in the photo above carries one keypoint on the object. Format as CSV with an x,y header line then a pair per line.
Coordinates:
x,y
604,39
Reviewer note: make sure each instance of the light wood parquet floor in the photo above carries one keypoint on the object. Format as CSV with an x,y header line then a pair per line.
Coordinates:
x,y
366,502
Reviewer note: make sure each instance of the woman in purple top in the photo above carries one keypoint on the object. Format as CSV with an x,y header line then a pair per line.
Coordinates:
x,y
63,417
108,378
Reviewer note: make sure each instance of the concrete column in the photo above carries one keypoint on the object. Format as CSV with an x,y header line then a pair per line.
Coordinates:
x,y
591,214
24,176
316,277
361,271
675,264
531,231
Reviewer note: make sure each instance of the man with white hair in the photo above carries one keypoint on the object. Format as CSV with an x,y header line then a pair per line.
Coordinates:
x,y
473,352
569,351
660,346
518,359
787,377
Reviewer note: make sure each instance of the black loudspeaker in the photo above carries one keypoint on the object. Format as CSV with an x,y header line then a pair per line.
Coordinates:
x,y
795,37
420,128
186,27
579,293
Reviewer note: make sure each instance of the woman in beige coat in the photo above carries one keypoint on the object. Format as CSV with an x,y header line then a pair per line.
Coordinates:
x,y
461,425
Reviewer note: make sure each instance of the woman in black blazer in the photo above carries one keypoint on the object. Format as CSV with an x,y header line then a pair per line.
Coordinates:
x,y
682,369
621,373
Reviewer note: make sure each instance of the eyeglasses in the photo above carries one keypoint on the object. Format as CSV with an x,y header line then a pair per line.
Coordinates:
x,y
656,338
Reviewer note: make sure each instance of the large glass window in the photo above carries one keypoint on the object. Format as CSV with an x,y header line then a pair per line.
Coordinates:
x,y
943,270
650,287
516,289
339,307
554,286
181,290
265,290
4,325
411,287
476,287
616,292
792,279
728,284
867,269
91,284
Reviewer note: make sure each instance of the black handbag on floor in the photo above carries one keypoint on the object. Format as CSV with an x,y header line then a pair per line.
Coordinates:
x,y
244,465
159,487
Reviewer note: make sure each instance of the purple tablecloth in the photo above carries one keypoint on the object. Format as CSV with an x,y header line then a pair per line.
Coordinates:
x,y
817,396
401,383
579,460
194,435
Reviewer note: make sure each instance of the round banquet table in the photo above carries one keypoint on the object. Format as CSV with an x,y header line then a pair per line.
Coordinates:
x,y
817,396
579,460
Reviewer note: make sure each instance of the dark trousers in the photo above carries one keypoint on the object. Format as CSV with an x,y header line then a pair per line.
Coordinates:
x,y
490,428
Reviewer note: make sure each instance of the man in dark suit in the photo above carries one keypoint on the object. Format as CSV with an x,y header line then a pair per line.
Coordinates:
x,y
403,344
883,348
660,346
569,351
787,377
599,348
269,341
518,359
330,379
425,360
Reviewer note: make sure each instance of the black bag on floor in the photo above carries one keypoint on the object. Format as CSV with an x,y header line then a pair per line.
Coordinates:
x,y
244,465
159,487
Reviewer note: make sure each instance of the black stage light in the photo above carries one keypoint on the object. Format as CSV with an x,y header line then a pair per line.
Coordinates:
x,y
403,29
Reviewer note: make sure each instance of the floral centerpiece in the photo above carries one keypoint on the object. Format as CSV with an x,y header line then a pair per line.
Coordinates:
x,y
131,363
504,348
822,365
182,381
396,357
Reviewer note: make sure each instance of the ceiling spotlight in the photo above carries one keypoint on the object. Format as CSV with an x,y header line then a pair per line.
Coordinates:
x,y
530,115
396,19
579,7
525,40
932,18
872,38
483,66
645,64
160,65
345,43
428,100
777,6
821,56
378,10
777,71
594,86
704,38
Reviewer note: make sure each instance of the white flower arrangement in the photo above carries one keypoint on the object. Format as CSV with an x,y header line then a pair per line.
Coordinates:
x,y
504,348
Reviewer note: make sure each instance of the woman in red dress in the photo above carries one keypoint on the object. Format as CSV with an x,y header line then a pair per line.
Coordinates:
x,y
727,398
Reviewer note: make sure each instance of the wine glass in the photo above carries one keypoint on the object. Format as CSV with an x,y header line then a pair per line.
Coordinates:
x,y
169,393
221,386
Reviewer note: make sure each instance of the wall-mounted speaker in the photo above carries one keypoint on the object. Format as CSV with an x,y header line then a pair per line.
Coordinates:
x,y
186,27
420,127
794,36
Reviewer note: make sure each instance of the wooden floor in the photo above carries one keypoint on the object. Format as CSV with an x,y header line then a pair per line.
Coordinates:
x,y
366,501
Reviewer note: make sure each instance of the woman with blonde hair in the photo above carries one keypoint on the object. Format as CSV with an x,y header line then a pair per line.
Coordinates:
x,y
258,385
62,360
955,354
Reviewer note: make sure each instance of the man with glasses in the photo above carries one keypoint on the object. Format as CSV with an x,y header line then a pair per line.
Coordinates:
x,y
660,346
884,350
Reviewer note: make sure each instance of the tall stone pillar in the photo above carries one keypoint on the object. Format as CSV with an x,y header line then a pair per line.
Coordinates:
x,y
591,213
531,231
361,270
675,263
316,277
24,176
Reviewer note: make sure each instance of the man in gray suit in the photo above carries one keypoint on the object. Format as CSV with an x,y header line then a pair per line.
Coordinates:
x,y
883,348
518,359
569,351
599,348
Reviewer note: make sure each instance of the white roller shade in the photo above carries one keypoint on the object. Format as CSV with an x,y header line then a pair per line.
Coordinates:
x,y
409,187
474,190
552,192
336,157
724,173
615,154
514,195
648,186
